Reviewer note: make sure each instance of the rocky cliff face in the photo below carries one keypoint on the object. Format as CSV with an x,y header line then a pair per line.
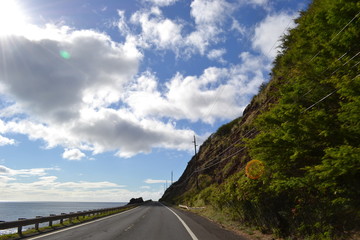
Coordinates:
x,y
224,152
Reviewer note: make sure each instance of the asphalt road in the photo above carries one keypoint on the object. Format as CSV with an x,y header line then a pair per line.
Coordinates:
x,y
150,221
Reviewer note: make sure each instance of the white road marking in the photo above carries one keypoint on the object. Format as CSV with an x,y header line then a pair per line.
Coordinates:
x,y
80,225
183,223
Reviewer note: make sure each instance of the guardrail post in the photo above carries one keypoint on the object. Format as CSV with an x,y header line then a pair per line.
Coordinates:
x,y
21,222
37,224
62,220
78,217
20,227
71,218
51,222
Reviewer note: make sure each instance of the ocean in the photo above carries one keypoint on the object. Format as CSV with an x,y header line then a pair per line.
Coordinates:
x,y
11,211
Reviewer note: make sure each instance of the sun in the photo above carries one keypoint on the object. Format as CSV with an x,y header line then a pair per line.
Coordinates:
x,y
12,18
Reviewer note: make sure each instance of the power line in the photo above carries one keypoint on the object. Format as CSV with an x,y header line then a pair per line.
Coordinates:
x,y
322,99
258,58
337,34
328,95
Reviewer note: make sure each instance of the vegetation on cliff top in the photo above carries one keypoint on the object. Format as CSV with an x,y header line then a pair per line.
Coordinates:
x,y
304,126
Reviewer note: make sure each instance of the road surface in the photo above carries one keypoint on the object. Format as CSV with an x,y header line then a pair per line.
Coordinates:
x,y
150,221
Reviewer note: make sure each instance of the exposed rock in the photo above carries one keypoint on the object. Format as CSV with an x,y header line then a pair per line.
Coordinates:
x,y
136,200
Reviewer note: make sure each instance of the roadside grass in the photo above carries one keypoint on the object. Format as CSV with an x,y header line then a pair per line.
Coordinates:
x,y
226,222
67,223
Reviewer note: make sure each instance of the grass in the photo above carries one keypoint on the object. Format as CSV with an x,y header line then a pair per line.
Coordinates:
x,y
74,221
225,221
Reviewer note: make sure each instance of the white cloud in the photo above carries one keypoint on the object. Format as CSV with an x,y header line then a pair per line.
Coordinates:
x,y
216,54
209,16
37,192
209,11
49,187
55,88
152,181
157,31
73,154
219,93
268,33
145,187
257,3
121,23
6,141
162,2
238,27
97,101
71,108
107,130
163,33
5,171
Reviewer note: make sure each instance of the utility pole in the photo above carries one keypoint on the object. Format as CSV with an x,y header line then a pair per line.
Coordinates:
x,y
172,175
196,164
195,144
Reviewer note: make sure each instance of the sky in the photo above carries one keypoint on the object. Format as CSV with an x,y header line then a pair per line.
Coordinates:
x,y
100,99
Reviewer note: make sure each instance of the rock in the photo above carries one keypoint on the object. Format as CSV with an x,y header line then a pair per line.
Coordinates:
x,y
136,200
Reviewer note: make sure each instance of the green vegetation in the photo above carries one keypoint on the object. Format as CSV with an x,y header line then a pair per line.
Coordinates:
x,y
308,136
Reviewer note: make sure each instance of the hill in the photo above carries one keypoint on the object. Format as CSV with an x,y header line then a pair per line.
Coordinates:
x,y
303,128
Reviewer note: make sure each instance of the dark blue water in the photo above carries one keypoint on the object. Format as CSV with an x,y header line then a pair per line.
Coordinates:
x,y
11,211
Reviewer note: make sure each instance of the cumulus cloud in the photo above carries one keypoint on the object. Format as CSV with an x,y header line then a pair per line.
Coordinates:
x,y
69,96
218,93
73,154
209,16
56,87
83,90
122,131
268,32
209,11
107,130
163,33
156,30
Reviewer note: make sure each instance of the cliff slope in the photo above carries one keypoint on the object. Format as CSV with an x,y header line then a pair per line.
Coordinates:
x,y
303,129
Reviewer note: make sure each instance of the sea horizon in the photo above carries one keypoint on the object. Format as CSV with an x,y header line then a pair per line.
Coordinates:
x,y
13,210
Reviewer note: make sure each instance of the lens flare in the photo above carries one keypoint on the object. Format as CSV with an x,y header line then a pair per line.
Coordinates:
x,y
254,169
65,54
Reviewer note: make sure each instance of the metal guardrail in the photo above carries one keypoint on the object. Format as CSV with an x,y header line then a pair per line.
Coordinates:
x,y
190,208
19,224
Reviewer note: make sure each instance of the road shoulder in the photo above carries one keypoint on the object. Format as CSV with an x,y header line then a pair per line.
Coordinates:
x,y
207,229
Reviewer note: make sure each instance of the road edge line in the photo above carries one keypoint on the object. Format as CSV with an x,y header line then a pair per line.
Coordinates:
x,y
79,225
183,223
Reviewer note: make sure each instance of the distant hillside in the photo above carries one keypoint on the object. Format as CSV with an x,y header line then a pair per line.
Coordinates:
x,y
303,127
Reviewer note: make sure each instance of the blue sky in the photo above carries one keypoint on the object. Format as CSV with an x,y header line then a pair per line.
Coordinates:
x,y
100,100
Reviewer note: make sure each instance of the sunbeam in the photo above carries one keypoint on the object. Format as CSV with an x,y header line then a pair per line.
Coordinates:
x,y
12,18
